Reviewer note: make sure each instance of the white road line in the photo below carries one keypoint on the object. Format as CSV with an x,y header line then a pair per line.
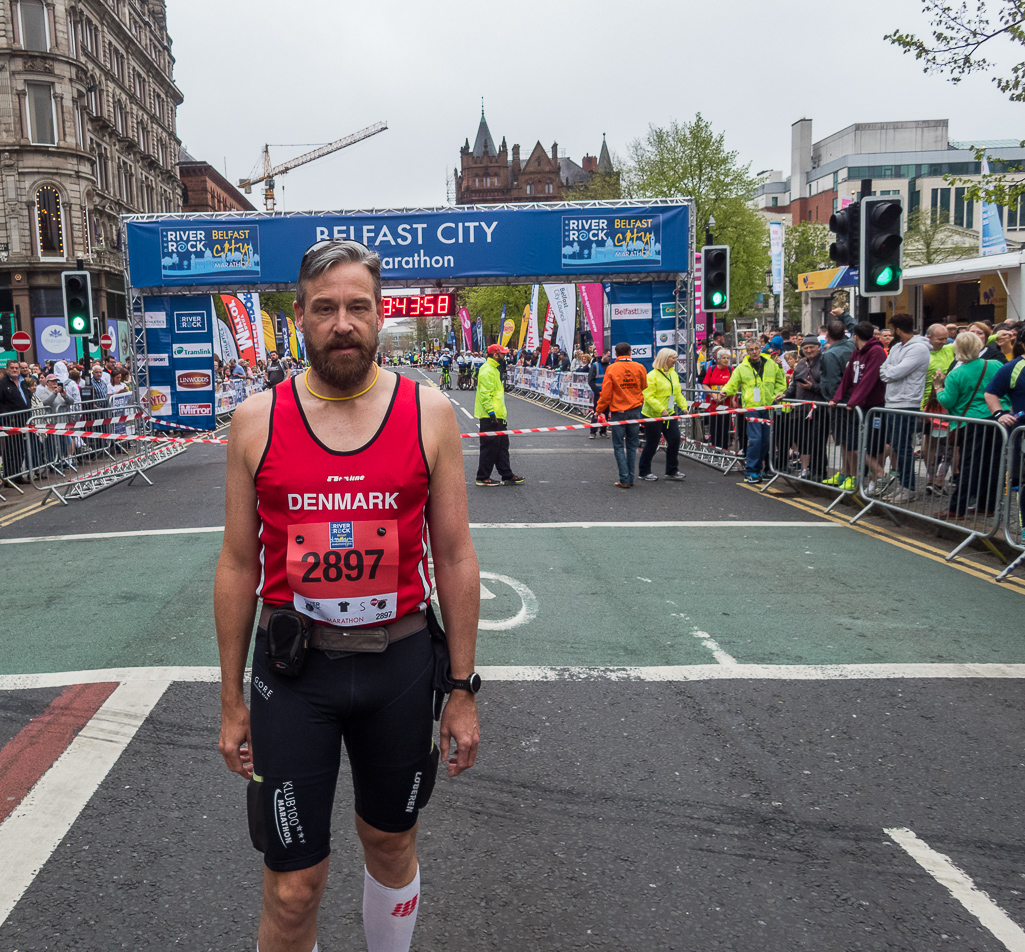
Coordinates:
x,y
467,412
35,829
959,884
85,536
721,656
717,524
524,673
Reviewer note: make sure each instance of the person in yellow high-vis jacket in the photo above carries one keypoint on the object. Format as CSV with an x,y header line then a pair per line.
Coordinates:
x,y
662,397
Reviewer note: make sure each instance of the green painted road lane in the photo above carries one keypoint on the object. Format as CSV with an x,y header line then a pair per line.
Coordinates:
x,y
552,596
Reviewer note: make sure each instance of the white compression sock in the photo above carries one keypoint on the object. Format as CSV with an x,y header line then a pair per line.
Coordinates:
x,y
389,914
316,945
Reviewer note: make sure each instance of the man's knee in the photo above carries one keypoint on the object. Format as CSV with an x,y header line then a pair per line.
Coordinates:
x,y
293,897
388,855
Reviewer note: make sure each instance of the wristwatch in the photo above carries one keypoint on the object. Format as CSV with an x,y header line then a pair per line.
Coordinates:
x,y
471,684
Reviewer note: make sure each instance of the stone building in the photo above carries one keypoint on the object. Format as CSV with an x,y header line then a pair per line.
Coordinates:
x,y
487,174
204,189
87,133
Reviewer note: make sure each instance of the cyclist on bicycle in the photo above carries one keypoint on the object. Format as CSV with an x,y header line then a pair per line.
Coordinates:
x,y
446,365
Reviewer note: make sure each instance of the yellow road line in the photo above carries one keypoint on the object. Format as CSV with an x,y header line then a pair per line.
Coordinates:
x,y
909,545
29,510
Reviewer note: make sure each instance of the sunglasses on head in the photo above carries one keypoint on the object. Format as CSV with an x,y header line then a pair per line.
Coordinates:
x,y
327,243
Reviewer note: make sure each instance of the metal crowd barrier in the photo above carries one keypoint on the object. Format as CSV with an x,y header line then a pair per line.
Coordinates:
x,y
816,445
552,388
1014,508
924,450
716,440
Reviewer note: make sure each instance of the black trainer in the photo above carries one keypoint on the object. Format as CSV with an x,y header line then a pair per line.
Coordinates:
x,y
514,481
488,482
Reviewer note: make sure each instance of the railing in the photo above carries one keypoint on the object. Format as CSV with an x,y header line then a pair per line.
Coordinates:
x,y
553,388
816,445
716,440
1014,508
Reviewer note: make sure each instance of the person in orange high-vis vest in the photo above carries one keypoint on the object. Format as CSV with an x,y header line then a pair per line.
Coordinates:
x,y
622,394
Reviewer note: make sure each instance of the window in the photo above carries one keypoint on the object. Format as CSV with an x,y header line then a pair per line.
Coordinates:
x,y
775,202
87,239
969,218
836,180
102,167
120,120
117,63
549,188
959,207
143,136
35,32
79,128
162,153
48,220
72,45
140,87
158,107
941,204
1015,214
530,188
41,118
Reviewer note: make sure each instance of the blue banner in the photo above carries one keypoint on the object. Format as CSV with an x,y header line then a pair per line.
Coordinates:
x,y
180,345
415,245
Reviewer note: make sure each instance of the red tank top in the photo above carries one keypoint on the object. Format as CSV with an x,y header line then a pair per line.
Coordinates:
x,y
343,535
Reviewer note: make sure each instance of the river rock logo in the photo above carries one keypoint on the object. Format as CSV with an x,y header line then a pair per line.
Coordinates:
x,y
194,379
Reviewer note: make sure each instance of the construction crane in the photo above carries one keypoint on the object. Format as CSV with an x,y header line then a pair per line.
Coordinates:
x,y
270,171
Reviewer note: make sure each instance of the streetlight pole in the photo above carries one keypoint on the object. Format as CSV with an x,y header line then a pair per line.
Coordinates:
x,y
709,316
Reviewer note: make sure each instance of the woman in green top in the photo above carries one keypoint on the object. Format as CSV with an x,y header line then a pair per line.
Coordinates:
x,y
662,397
962,392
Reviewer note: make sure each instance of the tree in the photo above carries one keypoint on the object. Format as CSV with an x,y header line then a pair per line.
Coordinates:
x,y
689,160
958,34
930,238
805,249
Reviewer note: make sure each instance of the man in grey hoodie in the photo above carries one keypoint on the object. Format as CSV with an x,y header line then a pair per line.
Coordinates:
x,y
904,372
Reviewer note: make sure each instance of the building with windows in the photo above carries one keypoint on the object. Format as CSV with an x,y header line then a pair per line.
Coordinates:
x,y
910,159
87,126
204,189
487,174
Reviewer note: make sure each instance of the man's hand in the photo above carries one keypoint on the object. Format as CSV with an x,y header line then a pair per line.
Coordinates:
x,y
235,745
1008,420
459,723
603,420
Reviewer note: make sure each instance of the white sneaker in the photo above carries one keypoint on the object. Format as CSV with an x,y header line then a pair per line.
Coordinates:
x,y
902,496
651,477
871,490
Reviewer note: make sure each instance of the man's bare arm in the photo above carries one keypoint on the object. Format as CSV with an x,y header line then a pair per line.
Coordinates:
x,y
238,574
456,573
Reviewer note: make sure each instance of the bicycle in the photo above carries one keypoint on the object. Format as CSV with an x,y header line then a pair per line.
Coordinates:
x,y
446,379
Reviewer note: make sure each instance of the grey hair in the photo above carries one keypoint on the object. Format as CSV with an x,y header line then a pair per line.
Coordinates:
x,y
967,347
324,255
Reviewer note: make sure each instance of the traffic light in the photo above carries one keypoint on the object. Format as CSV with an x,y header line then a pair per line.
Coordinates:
x,y
715,278
78,303
880,266
6,330
845,224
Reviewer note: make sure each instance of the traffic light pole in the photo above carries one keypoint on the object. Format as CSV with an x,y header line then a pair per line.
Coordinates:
x,y
866,190
709,316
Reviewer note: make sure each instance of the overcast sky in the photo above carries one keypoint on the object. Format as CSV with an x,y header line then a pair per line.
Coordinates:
x,y
310,71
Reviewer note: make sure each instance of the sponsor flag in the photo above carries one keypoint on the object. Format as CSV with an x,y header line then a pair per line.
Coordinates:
x,y
776,249
242,327
464,319
546,341
293,341
251,300
508,326
562,299
993,241
533,342
524,322
270,336
593,299
480,333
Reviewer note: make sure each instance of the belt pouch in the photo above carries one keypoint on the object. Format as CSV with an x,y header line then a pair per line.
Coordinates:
x,y
288,637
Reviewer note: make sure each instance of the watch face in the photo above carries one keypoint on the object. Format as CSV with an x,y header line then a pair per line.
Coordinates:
x,y
474,680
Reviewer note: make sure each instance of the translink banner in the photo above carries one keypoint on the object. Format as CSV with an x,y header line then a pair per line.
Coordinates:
x,y
414,245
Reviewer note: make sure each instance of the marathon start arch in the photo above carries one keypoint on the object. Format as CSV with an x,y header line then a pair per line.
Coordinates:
x,y
173,257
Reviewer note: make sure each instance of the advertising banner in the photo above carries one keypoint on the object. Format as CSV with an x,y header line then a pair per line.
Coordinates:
x,y
776,250
415,244
993,241
546,341
242,326
52,340
562,299
270,337
507,330
180,342
251,301
479,327
828,278
592,296
464,320
533,338
524,324
631,320
293,337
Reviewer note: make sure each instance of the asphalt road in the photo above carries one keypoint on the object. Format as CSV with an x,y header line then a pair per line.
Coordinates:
x,y
694,736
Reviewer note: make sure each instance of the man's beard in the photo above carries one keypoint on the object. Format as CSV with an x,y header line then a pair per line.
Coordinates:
x,y
343,371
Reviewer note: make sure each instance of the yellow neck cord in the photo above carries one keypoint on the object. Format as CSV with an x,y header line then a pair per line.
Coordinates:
x,y
320,396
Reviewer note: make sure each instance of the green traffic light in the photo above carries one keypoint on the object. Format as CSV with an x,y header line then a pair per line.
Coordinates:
x,y
78,323
718,297
886,277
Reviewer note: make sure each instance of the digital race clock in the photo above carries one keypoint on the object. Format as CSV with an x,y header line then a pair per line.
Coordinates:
x,y
427,305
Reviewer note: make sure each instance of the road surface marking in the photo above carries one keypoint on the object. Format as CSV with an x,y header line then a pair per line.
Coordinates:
x,y
35,829
525,673
720,656
959,884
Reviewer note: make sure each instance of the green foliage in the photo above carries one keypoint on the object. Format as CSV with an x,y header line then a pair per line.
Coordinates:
x,y
958,33
486,302
930,238
689,160
805,248
274,301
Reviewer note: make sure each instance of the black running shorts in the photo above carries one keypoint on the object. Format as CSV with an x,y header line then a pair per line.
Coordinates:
x,y
379,705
